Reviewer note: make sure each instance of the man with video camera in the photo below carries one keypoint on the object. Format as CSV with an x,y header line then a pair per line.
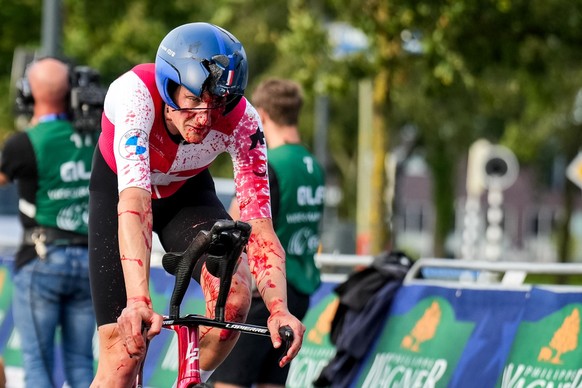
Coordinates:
x,y
51,164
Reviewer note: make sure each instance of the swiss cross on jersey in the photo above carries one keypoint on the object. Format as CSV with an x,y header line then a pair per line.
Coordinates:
x,y
257,137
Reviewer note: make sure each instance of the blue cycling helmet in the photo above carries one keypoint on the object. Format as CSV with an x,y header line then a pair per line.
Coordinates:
x,y
201,56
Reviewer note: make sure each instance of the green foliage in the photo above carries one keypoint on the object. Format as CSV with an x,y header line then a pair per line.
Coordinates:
x,y
114,47
21,25
506,70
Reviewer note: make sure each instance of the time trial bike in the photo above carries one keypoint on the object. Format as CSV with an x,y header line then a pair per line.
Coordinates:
x,y
223,245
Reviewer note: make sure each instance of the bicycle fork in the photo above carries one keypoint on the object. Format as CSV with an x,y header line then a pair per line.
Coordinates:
x,y
188,354
188,357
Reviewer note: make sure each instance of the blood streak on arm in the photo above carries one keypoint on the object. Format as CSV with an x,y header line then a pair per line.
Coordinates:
x,y
137,260
130,212
144,299
276,305
261,262
147,241
146,238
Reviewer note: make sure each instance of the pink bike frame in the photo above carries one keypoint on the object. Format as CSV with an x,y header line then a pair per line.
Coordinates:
x,y
188,354
224,242
187,331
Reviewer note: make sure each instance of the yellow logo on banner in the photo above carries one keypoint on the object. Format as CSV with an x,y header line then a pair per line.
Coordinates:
x,y
565,340
323,325
424,329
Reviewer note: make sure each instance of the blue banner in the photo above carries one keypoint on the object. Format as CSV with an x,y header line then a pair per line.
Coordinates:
x,y
460,337
431,336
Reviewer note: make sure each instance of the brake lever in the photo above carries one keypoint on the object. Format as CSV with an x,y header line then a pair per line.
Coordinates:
x,y
287,336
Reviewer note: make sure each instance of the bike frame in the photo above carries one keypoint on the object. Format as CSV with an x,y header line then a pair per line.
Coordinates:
x,y
228,238
188,355
187,331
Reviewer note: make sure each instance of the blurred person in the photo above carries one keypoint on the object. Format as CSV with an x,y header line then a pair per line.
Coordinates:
x,y
163,125
2,374
51,162
297,193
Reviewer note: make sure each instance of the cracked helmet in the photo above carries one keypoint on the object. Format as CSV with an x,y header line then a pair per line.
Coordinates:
x,y
201,57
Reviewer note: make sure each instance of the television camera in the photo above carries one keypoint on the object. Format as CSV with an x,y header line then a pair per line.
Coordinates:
x,y
86,98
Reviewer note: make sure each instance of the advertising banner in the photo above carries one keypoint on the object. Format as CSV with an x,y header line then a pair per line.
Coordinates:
x,y
547,349
317,348
9,340
5,303
444,337
459,337
454,337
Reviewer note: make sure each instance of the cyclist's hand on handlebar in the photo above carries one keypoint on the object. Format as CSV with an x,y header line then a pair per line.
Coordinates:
x,y
276,322
137,315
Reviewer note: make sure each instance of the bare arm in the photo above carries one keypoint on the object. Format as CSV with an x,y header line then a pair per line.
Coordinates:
x,y
135,240
135,244
267,264
234,210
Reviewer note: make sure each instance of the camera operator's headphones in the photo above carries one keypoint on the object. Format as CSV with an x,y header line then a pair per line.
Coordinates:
x,y
24,101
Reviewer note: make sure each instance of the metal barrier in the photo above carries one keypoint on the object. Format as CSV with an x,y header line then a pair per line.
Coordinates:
x,y
482,273
336,267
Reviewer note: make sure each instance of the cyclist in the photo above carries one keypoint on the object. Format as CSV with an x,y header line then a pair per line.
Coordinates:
x,y
163,125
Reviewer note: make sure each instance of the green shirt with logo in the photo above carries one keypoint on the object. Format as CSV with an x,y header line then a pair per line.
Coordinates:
x,y
301,194
63,158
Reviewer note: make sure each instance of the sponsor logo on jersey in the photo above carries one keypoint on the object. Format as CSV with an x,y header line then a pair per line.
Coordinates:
x,y
256,138
133,145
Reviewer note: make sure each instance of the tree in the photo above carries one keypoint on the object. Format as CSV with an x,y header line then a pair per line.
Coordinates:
x,y
20,27
495,69
506,70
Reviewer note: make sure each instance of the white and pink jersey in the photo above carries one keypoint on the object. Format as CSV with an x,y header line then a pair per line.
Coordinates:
x,y
137,146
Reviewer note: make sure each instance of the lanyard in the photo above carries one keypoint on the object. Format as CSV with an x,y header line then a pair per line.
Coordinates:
x,y
52,117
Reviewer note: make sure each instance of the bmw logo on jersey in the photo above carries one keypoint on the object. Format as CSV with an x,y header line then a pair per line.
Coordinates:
x,y
133,145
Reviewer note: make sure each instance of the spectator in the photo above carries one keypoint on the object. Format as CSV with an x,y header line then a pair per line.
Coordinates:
x,y
297,190
51,168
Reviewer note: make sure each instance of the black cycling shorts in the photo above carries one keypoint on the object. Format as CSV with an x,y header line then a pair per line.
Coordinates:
x,y
176,219
253,359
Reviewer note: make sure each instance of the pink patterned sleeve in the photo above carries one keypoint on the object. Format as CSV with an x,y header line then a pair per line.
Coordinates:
x,y
248,150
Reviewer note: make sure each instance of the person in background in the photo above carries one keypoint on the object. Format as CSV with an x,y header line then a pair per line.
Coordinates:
x,y
163,125
51,163
297,194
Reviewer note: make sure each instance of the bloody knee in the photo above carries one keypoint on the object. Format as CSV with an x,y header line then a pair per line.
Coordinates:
x,y
238,304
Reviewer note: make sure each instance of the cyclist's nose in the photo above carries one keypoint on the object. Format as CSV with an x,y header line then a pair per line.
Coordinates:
x,y
203,115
